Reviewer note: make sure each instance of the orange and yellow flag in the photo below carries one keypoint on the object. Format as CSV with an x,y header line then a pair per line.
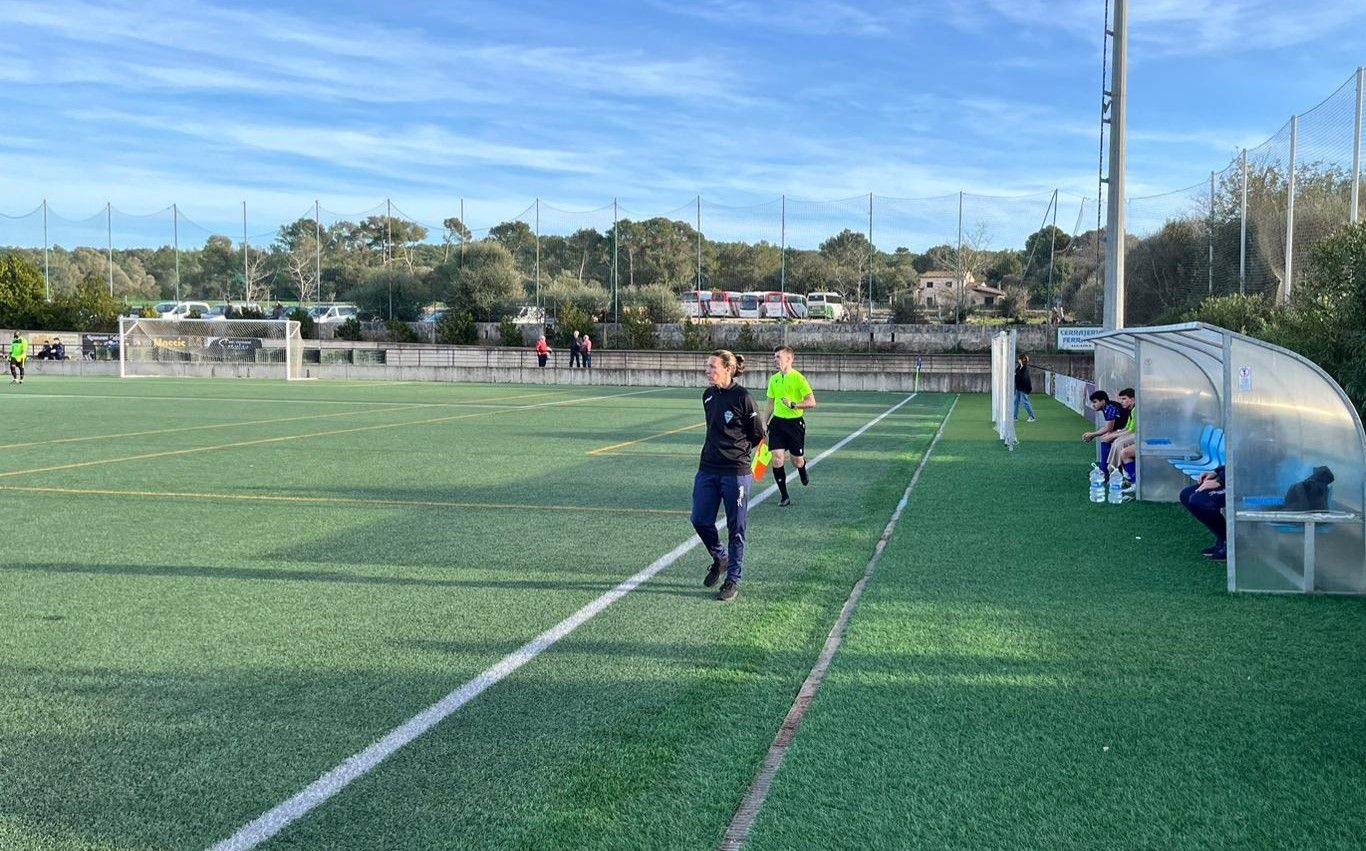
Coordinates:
x,y
762,458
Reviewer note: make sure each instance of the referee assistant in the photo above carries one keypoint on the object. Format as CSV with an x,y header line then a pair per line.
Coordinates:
x,y
789,395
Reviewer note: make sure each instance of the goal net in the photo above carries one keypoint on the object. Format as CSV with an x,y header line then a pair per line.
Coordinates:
x,y
248,348
1003,387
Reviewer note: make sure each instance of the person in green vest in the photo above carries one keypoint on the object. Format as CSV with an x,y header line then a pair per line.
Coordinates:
x,y
18,354
789,396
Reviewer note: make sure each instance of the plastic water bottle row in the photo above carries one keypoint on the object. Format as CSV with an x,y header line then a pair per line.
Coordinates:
x,y
1112,493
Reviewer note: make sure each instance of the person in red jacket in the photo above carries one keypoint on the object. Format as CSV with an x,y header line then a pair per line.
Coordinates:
x,y
586,347
542,351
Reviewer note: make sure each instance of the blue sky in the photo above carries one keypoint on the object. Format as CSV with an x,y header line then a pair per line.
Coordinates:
x,y
654,102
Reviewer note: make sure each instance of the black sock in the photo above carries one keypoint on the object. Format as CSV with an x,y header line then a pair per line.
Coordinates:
x,y
801,471
780,477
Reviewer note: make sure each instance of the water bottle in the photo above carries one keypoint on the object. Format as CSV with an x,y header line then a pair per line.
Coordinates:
x,y
1116,489
1097,484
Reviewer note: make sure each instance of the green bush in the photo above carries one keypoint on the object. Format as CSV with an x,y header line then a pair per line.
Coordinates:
x,y
746,341
510,334
571,318
1246,314
308,329
349,330
457,328
398,332
638,332
697,335
906,309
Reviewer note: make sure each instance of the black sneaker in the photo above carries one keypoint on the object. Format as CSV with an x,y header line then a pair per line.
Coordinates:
x,y
1209,551
784,502
801,471
713,574
728,591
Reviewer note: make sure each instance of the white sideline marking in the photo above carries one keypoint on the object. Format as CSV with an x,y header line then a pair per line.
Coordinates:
x,y
359,764
754,799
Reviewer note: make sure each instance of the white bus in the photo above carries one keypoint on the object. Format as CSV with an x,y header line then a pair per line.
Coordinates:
x,y
784,306
752,304
826,306
695,303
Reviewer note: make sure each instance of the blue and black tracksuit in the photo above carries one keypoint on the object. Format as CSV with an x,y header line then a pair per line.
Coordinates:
x,y
1207,506
725,473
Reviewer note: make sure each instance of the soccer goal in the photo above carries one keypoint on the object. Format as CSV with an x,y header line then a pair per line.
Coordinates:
x,y
256,348
1003,387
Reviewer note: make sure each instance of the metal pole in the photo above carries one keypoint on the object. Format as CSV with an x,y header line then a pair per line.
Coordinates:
x,y
1356,145
1052,250
317,251
538,252
109,220
1115,227
782,262
872,253
175,237
616,299
1242,240
1210,287
782,239
962,284
388,249
463,227
1290,212
246,272
47,276
699,243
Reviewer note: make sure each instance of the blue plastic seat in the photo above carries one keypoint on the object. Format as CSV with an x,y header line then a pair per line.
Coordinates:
x,y
1207,438
1217,457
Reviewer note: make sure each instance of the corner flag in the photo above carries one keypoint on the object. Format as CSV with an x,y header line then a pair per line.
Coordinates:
x,y
762,458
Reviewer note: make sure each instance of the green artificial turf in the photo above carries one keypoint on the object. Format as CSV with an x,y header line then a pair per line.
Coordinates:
x,y
1029,670
183,649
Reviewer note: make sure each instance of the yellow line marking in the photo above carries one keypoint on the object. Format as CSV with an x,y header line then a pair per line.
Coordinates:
x,y
338,500
264,440
607,449
393,407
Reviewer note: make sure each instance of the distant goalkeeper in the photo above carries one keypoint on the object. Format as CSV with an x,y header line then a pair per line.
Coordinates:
x,y
18,355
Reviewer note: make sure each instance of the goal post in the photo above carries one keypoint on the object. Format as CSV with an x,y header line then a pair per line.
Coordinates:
x,y
1003,387
255,348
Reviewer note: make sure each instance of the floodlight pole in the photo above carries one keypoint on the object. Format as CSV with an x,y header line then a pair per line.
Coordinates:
x,y
782,262
109,222
1356,146
538,252
175,246
1290,212
1115,226
699,243
1242,239
246,248
317,250
616,298
1052,250
47,274
1210,287
872,253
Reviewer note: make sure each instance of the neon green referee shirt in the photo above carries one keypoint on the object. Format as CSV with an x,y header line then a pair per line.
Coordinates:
x,y
792,386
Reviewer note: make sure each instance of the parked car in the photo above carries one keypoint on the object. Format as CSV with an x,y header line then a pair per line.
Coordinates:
x,y
826,306
336,312
530,315
182,309
219,311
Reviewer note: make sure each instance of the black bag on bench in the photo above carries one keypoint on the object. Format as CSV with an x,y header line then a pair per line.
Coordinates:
x,y
1310,494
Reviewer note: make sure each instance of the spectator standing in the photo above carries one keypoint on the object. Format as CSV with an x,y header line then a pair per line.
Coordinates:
x,y
18,354
574,346
1023,387
587,347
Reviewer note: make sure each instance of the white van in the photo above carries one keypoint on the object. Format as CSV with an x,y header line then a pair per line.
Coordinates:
x,y
826,306
327,314
181,309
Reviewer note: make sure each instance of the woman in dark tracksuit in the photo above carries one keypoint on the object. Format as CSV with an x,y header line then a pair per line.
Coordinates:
x,y
725,473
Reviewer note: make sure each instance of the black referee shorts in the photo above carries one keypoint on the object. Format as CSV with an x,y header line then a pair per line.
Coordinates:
x,y
788,434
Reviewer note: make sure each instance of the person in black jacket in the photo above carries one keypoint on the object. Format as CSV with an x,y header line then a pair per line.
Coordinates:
x,y
1205,501
725,471
1023,387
